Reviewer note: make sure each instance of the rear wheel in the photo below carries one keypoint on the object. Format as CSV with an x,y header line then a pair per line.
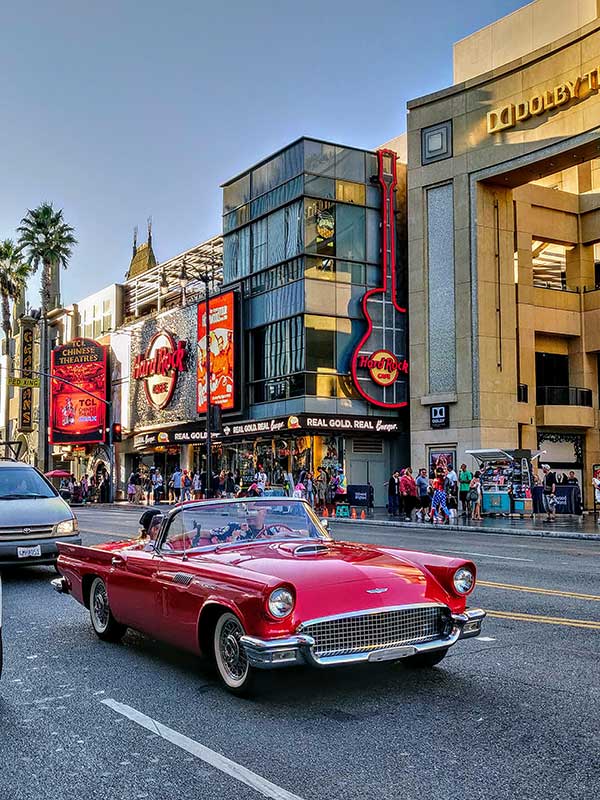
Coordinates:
x,y
103,622
424,660
229,656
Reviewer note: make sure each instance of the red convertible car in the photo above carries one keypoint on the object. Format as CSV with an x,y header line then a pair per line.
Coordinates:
x,y
259,583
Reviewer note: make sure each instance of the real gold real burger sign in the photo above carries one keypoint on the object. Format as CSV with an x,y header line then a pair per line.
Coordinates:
x,y
510,115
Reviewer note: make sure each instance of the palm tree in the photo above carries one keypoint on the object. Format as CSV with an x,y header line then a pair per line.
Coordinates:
x,y
13,277
47,240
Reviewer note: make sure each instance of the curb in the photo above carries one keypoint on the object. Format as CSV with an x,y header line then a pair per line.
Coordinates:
x,y
539,533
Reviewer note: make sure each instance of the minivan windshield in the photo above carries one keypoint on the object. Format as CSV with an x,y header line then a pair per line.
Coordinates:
x,y
20,483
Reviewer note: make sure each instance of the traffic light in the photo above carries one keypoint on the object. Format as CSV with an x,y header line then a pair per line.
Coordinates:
x,y
116,432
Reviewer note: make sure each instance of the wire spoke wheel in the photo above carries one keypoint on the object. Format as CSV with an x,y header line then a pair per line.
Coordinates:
x,y
99,606
230,657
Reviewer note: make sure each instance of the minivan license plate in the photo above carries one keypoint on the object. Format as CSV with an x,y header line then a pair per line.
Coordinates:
x,y
392,653
29,552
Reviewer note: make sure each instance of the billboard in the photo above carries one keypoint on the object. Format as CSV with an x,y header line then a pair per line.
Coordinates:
x,y
222,353
78,387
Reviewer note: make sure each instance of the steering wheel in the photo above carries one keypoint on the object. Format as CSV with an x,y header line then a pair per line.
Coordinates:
x,y
272,530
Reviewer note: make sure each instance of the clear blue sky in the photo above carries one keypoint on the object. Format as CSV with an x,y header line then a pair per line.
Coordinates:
x,y
116,111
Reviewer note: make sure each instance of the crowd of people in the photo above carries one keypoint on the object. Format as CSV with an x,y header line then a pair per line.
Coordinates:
x,y
150,487
87,489
435,497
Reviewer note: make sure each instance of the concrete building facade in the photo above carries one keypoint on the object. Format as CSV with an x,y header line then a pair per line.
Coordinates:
x,y
504,226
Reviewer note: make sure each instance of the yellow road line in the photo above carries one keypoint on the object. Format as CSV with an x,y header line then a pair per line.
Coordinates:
x,y
573,623
538,590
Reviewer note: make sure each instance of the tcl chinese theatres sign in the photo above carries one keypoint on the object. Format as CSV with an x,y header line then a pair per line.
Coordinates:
x,y
78,393
160,366
26,393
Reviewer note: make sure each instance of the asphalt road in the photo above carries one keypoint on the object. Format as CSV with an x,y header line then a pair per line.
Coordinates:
x,y
513,714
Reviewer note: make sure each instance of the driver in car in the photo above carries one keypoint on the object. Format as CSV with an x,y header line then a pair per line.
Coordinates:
x,y
252,528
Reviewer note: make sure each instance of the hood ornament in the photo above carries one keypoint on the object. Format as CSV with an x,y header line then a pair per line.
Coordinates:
x,y
377,591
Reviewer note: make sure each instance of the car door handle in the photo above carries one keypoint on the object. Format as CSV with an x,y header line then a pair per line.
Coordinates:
x,y
117,561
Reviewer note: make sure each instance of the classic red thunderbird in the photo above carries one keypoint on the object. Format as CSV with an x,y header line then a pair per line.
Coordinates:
x,y
259,583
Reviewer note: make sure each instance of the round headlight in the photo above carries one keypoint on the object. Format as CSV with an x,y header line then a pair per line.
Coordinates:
x,y
464,580
281,603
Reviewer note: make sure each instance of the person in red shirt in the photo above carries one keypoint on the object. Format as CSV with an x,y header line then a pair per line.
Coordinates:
x,y
408,490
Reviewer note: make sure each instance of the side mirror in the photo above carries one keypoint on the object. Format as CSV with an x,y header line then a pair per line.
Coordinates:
x,y
325,523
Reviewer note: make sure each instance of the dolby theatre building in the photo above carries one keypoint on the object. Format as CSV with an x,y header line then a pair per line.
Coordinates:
x,y
504,233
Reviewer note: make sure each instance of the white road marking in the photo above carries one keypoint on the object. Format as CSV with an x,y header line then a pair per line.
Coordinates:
x,y
485,639
481,555
216,760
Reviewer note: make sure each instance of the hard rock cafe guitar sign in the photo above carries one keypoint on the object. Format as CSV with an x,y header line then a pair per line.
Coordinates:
x,y
379,370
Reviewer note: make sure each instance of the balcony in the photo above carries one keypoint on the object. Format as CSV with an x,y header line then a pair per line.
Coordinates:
x,y
564,406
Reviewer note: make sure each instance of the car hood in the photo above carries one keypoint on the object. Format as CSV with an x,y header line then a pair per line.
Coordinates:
x,y
33,511
382,578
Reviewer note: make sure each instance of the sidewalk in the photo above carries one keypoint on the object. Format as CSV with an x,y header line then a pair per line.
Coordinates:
x,y
565,527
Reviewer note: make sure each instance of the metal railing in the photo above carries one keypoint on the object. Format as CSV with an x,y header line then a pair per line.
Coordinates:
x,y
563,396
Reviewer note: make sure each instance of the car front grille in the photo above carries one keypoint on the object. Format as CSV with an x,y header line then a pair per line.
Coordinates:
x,y
368,631
18,533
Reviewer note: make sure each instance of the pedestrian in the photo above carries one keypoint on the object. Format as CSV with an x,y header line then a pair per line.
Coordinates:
x,y
596,485
310,489
439,501
260,478
85,488
320,486
176,478
465,477
159,486
222,482
474,496
148,486
408,492
137,482
229,485
423,495
549,494
186,486
130,489
394,494
452,483
572,479
196,486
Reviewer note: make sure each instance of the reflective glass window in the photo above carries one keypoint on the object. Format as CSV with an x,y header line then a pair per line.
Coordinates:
x,y
348,333
294,231
276,236
319,158
349,192
236,194
371,167
374,196
317,186
320,227
259,244
373,236
320,298
350,232
349,164
320,342
230,257
278,349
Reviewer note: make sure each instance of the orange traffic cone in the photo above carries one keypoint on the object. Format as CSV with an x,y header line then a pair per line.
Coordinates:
x,y
362,514
325,512
353,514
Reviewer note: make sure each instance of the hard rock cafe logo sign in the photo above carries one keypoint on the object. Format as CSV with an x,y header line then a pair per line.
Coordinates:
x,y
160,366
383,367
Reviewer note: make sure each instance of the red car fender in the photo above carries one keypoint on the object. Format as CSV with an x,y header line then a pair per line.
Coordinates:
x,y
442,569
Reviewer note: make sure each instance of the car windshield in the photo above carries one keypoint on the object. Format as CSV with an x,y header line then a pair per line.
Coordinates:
x,y
18,483
214,525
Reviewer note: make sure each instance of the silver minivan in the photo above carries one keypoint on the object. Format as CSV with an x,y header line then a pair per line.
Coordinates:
x,y
33,517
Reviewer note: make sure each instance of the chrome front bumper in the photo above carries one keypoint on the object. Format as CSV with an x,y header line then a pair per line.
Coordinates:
x,y
275,653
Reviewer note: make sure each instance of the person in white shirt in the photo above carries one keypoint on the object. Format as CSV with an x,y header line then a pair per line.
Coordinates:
x,y
260,478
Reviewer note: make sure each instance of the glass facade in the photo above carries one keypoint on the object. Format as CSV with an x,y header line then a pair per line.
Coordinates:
x,y
302,232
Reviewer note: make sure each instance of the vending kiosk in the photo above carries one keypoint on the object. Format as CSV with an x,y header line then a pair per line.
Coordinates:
x,y
506,480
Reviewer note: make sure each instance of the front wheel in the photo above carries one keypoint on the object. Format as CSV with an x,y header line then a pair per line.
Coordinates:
x,y
424,660
103,622
230,658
